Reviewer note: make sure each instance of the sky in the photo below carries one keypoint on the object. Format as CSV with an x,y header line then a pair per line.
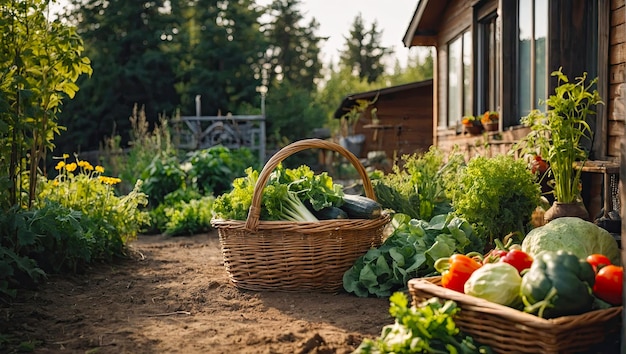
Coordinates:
x,y
335,17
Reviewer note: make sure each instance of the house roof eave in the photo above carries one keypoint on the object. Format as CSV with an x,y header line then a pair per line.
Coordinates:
x,y
350,100
424,26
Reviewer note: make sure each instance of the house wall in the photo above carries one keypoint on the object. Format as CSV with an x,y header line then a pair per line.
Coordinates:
x,y
458,16
617,76
405,123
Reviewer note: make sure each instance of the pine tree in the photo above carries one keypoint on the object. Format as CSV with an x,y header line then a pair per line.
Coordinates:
x,y
363,53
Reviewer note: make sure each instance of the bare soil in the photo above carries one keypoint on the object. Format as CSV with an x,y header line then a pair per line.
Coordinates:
x,y
174,296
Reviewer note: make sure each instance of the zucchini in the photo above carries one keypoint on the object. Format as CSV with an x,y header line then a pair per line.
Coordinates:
x,y
360,207
330,213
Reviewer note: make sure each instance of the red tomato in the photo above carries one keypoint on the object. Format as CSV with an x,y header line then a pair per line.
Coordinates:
x,y
608,286
598,261
539,165
518,259
494,256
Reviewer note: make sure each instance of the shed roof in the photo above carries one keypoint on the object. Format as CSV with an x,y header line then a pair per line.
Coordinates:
x,y
350,100
424,26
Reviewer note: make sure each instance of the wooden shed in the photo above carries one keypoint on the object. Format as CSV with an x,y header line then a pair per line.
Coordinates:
x,y
402,122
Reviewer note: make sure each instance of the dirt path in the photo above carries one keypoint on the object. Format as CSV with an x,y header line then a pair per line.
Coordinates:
x,y
174,297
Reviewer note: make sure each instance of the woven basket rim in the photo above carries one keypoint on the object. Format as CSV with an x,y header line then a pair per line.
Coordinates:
x,y
562,323
301,226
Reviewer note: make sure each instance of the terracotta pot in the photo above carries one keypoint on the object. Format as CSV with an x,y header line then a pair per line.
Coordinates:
x,y
491,127
473,129
559,210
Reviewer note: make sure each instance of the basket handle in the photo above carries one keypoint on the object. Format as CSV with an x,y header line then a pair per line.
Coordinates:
x,y
254,213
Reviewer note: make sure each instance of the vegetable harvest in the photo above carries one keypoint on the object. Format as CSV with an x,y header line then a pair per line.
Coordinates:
x,y
496,282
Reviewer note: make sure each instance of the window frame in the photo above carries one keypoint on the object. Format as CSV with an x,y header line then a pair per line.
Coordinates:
x,y
465,94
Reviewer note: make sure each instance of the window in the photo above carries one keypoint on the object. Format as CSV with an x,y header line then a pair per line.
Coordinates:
x,y
459,79
532,52
488,55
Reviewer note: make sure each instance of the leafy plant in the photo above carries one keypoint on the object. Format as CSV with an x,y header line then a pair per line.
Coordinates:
x,y
416,187
410,251
163,175
40,62
556,135
496,195
110,220
188,218
428,327
212,170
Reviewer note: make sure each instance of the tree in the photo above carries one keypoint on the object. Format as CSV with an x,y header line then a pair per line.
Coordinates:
x,y
419,67
294,49
363,53
124,41
218,48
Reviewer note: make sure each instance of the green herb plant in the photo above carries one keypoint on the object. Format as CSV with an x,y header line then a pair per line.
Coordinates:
x,y
428,327
557,134
416,187
188,218
496,195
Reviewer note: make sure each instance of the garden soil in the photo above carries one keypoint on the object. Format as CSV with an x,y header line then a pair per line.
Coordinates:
x,y
173,296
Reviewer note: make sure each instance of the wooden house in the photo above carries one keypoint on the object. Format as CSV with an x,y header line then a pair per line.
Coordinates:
x,y
497,55
397,122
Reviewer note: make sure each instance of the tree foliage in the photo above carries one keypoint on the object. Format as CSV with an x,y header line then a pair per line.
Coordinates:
x,y
363,52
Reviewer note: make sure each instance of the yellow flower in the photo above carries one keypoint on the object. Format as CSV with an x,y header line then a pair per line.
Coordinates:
x,y
109,180
99,169
71,167
65,156
88,167
59,165
55,183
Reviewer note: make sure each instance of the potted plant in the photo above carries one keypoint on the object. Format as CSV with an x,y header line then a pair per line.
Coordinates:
x,y
556,136
472,125
490,120
349,139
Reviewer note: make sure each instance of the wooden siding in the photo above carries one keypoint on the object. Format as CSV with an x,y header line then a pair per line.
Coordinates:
x,y
617,66
405,123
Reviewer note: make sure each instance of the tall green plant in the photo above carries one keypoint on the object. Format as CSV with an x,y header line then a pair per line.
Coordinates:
x,y
40,61
558,133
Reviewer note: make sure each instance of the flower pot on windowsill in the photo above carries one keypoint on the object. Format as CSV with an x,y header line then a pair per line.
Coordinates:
x,y
491,126
473,129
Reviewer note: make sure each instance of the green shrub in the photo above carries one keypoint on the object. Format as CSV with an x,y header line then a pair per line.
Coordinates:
x,y
213,170
163,176
188,218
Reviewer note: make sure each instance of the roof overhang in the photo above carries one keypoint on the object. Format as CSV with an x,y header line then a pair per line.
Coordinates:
x,y
350,100
424,25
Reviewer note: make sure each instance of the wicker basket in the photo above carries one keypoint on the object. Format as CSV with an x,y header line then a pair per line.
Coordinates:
x,y
296,256
508,330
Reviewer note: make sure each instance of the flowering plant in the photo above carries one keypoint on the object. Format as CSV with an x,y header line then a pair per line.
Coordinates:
x,y
469,121
490,117
110,220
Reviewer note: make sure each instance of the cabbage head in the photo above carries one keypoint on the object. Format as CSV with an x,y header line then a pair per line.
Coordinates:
x,y
496,282
572,234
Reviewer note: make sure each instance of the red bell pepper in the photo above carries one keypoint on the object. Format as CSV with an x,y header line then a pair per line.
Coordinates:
x,y
455,270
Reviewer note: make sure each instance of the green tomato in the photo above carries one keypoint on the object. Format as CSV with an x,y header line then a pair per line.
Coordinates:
x,y
496,282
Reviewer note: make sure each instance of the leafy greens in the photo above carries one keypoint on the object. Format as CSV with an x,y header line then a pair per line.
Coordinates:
x,y
409,252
